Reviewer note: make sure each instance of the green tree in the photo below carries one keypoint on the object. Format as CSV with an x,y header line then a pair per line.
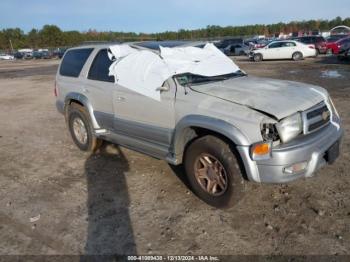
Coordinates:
x,y
33,39
51,36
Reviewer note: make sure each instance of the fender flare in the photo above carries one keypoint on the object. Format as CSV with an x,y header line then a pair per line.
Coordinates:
x,y
182,134
84,100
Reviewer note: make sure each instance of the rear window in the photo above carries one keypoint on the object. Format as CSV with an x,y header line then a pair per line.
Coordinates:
x,y
320,39
100,67
306,40
74,61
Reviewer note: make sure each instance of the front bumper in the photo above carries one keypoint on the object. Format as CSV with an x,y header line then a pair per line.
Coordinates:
x,y
311,148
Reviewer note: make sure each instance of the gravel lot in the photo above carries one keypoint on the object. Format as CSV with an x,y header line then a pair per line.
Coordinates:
x,y
55,199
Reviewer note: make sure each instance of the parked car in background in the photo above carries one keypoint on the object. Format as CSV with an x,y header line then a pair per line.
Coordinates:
x,y
237,49
319,42
37,55
18,55
344,53
286,49
6,57
335,38
61,52
335,47
224,43
46,54
262,43
28,55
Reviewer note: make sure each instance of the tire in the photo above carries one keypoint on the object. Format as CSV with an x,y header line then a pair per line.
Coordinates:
x,y
257,57
79,124
215,153
297,56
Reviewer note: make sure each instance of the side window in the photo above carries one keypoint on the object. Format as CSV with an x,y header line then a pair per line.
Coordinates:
x,y
309,40
100,67
288,44
275,45
74,61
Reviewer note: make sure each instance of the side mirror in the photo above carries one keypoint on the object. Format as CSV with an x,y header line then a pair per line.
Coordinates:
x,y
163,88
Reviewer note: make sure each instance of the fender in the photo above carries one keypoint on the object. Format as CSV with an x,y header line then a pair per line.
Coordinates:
x,y
184,133
84,100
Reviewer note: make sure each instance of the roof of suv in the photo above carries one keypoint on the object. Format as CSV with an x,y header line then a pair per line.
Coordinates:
x,y
151,45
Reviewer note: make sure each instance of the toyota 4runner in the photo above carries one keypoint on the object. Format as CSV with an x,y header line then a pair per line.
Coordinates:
x,y
222,128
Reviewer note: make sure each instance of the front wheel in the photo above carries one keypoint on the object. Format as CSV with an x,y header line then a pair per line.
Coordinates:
x,y
213,172
257,57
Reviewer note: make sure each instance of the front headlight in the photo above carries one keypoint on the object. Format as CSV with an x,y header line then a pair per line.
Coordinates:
x,y
290,127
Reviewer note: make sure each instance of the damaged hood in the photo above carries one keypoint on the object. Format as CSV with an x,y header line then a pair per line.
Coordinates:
x,y
275,97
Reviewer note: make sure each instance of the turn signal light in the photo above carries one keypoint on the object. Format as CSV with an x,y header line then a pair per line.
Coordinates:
x,y
261,151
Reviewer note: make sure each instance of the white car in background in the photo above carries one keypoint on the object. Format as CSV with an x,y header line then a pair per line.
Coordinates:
x,y
287,49
6,57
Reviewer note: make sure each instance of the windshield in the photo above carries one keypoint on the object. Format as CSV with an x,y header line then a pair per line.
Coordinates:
x,y
191,79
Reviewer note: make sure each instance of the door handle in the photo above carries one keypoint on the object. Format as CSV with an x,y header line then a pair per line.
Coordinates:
x,y
120,98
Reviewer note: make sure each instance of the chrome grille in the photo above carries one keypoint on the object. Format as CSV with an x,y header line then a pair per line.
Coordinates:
x,y
316,117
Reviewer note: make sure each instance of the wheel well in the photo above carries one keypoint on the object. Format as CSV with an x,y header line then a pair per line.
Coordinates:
x,y
198,132
76,102
260,54
69,102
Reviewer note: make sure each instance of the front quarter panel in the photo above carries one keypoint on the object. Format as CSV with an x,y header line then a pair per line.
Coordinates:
x,y
238,123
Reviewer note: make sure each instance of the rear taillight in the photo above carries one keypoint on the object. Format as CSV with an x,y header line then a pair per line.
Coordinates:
x,y
311,46
55,89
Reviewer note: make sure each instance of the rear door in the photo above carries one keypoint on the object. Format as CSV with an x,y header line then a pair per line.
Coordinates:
x,y
287,49
99,89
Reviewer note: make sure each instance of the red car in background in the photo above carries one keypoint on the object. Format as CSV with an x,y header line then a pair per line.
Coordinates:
x,y
334,47
318,41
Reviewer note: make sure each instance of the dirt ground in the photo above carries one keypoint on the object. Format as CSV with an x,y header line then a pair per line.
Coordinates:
x,y
55,199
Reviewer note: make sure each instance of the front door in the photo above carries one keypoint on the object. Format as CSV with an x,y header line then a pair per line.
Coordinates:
x,y
272,51
143,118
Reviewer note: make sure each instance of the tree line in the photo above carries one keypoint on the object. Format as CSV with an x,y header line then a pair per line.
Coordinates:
x,y
51,36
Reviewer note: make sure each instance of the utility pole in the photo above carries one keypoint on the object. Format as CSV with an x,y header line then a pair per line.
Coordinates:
x,y
11,46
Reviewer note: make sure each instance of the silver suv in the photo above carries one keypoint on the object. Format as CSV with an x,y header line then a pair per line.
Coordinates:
x,y
223,128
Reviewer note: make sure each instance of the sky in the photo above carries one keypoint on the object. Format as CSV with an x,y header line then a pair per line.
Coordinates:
x,y
161,15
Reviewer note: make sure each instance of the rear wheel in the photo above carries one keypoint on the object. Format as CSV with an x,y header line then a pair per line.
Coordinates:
x,y
81,129
257,57
297,56
213,172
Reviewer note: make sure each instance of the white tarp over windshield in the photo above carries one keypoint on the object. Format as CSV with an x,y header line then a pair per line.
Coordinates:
x,y
144,71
